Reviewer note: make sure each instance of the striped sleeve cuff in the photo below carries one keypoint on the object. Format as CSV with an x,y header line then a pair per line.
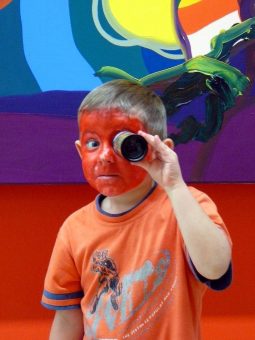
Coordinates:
x,y
218,284
62,301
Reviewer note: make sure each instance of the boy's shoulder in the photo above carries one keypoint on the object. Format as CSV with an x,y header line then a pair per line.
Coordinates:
x,y
79,216
195,192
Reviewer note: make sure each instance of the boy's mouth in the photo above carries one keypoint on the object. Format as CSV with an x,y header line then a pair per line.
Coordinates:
x,y
106,173
107,176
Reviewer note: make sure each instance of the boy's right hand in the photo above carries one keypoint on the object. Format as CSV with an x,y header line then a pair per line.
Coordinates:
x,y
162,163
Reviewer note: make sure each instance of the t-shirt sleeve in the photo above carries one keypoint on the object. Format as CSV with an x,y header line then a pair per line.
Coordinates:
x,y
62,287
211,210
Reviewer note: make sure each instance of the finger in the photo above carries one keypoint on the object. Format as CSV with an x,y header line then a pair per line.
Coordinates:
x,y
153,141
162,151
159,150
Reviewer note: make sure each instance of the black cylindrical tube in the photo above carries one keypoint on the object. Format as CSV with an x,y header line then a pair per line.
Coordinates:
x,y
131,146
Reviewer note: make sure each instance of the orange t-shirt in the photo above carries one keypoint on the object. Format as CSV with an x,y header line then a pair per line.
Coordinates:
x,y
129,273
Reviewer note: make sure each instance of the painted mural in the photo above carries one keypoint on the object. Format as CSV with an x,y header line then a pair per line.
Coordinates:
x,y
201,53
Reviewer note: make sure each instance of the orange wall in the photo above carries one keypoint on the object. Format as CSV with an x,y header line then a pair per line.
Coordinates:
x,y
30,216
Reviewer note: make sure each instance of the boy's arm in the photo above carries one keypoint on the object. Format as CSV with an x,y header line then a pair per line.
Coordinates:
x,y
67,325
207,244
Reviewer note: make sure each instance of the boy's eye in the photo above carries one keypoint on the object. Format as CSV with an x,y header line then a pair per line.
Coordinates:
x,y
92,144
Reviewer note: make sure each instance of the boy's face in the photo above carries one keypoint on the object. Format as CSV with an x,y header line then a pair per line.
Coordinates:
x,y
107,172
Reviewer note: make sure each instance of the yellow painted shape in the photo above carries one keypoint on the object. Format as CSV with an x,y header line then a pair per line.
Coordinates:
x,y
187,3
149,20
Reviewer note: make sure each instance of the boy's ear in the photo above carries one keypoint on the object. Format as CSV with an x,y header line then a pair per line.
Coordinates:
x,y
169,142
78,147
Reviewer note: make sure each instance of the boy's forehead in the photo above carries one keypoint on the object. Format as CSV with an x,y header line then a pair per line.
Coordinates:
x,y
106,112
108,118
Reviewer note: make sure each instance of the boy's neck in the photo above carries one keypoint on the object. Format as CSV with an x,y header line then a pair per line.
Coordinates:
x,y
126,201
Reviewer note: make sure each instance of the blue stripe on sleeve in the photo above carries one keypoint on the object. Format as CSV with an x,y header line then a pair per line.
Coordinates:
x,y
218,284
52,307
68,296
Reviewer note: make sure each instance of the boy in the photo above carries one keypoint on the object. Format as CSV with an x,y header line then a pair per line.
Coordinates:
x,y
136,262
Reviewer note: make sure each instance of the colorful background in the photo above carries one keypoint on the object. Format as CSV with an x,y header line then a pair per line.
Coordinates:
x,y
50,51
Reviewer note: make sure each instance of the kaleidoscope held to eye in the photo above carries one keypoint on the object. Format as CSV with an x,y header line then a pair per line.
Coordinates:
x,y
130,146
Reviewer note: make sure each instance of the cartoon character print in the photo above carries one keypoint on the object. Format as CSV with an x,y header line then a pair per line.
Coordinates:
x,y
108,279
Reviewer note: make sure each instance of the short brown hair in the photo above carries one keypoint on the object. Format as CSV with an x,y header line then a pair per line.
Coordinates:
x,y
132,99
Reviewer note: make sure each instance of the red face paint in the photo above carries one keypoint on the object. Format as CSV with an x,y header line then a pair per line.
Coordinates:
x,y
106,171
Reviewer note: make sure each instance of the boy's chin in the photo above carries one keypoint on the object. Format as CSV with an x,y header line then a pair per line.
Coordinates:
x,y
112,191
116,186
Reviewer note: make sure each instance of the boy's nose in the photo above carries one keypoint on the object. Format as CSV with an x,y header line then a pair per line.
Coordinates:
x,y
107,154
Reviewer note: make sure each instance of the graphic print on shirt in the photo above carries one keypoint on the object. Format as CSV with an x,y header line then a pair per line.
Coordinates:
x,y
136,299
108,279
